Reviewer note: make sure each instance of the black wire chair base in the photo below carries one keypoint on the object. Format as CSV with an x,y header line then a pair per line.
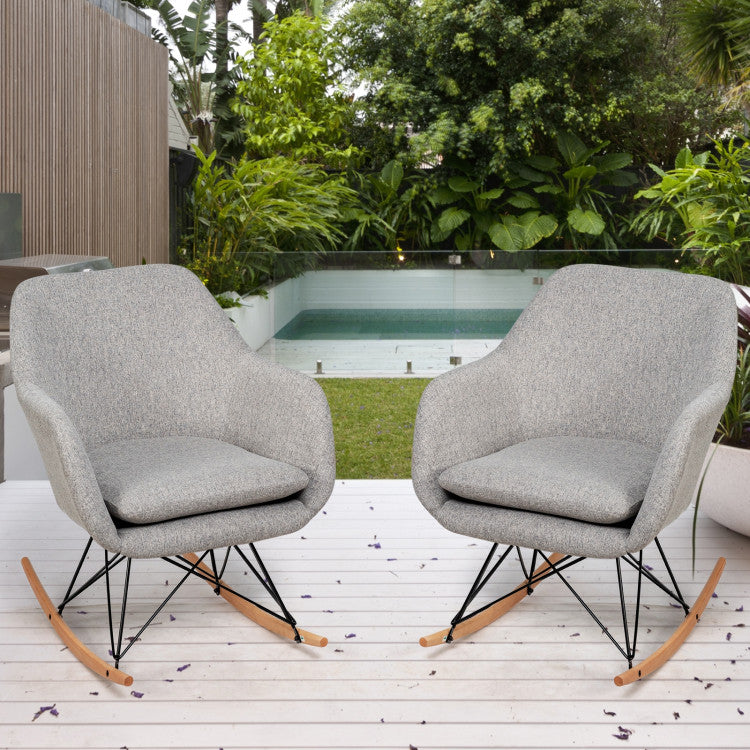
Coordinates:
x,y
466,622
204,567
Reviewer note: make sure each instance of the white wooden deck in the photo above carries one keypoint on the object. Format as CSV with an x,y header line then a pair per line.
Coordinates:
x,y
539,678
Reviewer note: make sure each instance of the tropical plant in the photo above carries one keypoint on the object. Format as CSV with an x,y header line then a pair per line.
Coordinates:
x,y
243,218
576,190
476,215
199,52
291,95
717,39
704,204
395,210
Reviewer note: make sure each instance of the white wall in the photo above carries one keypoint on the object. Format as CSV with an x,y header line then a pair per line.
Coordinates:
x,y
22,459
260,318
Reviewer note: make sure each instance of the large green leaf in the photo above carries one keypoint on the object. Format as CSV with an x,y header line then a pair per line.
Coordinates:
x,y
611,162
543,163
581,172
452,218
508,237
392,174
572,148
461,184
536,227
490,195
523,200
586,221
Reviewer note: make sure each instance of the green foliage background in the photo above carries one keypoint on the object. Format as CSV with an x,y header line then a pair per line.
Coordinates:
x,y
493,80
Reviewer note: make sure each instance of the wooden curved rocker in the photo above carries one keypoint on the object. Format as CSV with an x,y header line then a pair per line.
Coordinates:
x,y
650,664
88,658
668,649
82,652
257,615
489,615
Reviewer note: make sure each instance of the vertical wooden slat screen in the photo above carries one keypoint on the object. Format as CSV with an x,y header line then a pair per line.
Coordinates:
x,y
83,131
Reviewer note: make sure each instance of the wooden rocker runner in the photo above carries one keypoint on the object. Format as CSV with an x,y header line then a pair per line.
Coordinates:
x,y
283,625
583,432
163,433
463,624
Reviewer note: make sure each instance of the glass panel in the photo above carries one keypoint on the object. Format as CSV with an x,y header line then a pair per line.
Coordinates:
x,y
391,314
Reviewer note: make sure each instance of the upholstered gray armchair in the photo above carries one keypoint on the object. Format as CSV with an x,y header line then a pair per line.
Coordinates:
x,y
162,433
584,433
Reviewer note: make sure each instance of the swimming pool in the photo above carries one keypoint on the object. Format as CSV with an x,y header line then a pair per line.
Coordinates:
x,y
394,324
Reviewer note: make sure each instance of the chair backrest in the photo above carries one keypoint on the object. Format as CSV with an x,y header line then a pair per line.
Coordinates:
x,y
615,352
131,352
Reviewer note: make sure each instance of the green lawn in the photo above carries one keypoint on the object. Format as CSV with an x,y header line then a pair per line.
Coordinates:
x,y
373,424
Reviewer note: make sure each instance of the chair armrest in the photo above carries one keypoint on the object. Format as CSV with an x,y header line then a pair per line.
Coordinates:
x,y
463,414
282,414
678,466
68,466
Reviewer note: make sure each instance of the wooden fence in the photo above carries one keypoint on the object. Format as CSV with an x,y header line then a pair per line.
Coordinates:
x,y
83,131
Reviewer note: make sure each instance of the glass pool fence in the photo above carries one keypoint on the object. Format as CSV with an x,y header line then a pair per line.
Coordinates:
x,y
399,313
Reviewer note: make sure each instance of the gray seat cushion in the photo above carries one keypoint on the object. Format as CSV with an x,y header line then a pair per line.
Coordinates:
x,y
147,480
589,479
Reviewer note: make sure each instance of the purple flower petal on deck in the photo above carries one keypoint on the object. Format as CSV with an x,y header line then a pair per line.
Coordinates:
x,y
54,712
689,702
740,712
676,715
609,713
43,709
391,559
350,635
81,612
648,567
339,650
574,635
306,596
708,685
183,668
94,693
168,680
624,733
729,636
714,595
136,694
374,546
172,618
329,611
697,679
741,608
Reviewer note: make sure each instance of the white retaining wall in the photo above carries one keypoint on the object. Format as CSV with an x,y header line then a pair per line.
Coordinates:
x,y
259,318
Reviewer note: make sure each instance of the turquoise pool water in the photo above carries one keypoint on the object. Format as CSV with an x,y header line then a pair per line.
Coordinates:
x,y
398,324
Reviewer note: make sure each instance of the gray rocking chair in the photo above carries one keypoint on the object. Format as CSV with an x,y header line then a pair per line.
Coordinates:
x,y
164,435
582,435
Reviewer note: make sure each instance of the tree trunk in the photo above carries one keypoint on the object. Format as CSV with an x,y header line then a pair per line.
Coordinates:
x,y
222,93
259,18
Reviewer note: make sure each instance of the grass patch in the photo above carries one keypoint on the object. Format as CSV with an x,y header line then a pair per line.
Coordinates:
x,y
373,425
